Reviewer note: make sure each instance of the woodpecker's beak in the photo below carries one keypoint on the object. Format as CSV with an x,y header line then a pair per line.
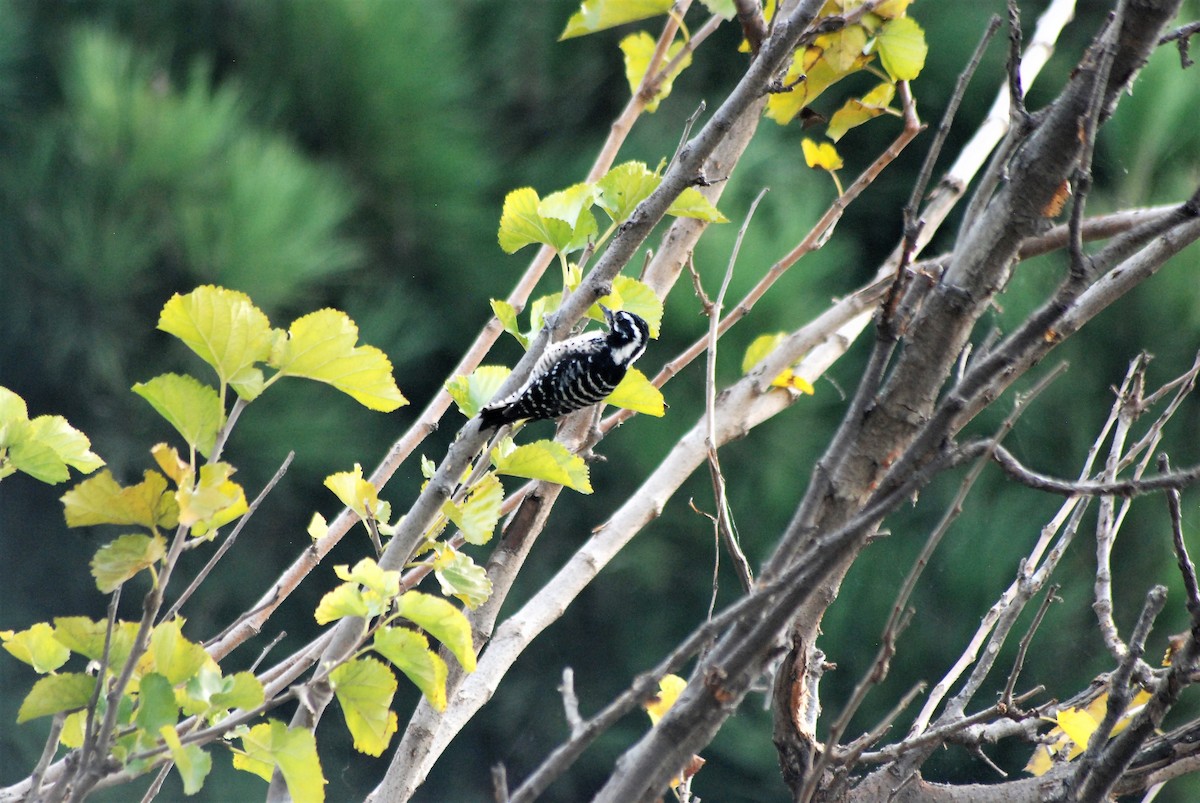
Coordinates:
x,y
608,316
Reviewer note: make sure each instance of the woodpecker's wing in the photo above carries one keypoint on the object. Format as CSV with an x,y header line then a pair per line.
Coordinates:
x,y
580,344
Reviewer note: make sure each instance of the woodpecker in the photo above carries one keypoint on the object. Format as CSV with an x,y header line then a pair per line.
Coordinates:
x,y
574,373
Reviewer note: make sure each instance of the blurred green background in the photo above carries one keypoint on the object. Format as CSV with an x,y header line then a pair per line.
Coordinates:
x,y
355,154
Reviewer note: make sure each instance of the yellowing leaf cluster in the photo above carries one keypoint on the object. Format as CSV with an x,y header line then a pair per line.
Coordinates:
x,y
759,349
43,447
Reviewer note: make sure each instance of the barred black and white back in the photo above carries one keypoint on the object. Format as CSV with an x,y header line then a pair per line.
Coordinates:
x,y
574,373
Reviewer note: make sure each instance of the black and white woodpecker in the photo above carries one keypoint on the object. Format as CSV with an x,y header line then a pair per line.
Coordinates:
x,y
574,373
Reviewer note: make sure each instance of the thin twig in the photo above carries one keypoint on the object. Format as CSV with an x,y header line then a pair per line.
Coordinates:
x,y
1186,567
227,544
1131,487
1006,698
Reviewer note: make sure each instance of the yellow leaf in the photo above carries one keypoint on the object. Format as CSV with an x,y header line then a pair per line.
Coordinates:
x,y
409,652
638,49
122,558
100,500
320,346
669,689
213,501
365,688
809,75
843,48
823,156
356,493
637,393
597,15
543,460
441,620
471,393
225,329
855,112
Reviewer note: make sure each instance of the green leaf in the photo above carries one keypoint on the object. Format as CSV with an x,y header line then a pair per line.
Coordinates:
x,y
478,515
354,492
722,8
240,690
472,392
42,448
461,577
174,656
100,500
522,224
441,620
855,112
539,309
193,408
409,652
86,637
544,460
156,703
55,693
226,330
624,187
568,205
365,688
597,15
213,501
902,48
37,647
507,315
636,393
191,761
344,600
631,295
320,346
380,582
691,203
125,556
638,48
294,751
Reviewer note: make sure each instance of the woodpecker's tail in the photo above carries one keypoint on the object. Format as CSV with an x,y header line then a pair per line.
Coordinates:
x,y
495,417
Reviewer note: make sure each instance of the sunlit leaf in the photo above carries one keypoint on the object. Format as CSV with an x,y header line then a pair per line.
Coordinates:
x,y
902,48
344,600
758,350
843,48
55,693
409,652
321,346
100,500
191,761
194,409
624,187
568,205
522,224
691,203
42,448
669,689
472,392
855,112
823,155
212,501
365,688
86,637
294,751
638,48
317,527
479,513
809,75
367,573
441,620
637,393
634,296
597,15
356,493
507,315
173,655
544,460
225,329
461,577
125,556
37,647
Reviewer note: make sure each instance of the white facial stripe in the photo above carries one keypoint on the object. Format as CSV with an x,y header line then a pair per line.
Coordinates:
x,y
623,354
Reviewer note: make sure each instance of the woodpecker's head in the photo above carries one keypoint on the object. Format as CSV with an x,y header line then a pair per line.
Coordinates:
x,y
628,335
